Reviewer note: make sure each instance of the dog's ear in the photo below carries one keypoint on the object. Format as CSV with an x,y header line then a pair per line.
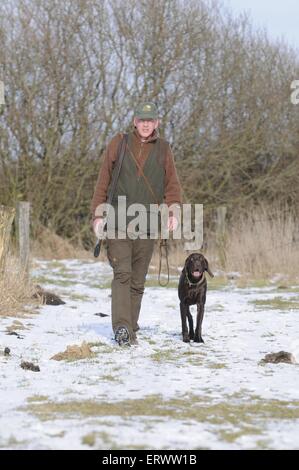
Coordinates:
x,y
187,260
208,269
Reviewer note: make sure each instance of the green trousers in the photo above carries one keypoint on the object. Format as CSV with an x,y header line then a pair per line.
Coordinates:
x,y
130,260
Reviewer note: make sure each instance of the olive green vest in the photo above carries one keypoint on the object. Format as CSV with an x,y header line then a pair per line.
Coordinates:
x,y
134,187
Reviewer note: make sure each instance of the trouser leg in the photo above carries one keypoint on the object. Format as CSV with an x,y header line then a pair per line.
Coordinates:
x,y
119,254
141,256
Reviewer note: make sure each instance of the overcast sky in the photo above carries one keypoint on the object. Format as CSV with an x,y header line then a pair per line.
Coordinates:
x,y
280,17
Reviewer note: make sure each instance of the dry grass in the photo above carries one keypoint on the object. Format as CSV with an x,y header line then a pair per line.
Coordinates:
x,y
263,243
15,290
49,245
260,244
176,258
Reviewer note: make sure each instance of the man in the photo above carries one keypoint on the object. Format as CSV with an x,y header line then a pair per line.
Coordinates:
x,y
147,176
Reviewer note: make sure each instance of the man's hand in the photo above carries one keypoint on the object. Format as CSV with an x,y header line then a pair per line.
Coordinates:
x,y
172,223
98,227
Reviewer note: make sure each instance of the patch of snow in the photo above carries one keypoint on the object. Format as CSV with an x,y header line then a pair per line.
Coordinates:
x,y
223,370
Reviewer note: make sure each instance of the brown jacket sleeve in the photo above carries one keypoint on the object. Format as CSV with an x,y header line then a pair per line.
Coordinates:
x,y
173,190
104,176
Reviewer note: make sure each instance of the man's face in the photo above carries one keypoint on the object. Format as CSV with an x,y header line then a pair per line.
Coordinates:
x,y
145,127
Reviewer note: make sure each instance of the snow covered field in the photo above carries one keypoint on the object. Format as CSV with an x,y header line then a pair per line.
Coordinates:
x,y
163,393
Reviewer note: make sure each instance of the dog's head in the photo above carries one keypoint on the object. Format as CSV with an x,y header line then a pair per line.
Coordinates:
x,y
196,264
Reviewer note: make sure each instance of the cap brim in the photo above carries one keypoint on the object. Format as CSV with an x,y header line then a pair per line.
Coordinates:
x,y
146,116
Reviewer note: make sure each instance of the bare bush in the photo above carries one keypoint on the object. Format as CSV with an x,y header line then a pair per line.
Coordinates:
x,y
264,243
75,70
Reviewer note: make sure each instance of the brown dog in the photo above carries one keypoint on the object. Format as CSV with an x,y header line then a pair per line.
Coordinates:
x,y
192,290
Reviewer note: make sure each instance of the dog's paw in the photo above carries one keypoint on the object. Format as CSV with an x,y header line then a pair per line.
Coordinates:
x,y
191,335
186,338
198,339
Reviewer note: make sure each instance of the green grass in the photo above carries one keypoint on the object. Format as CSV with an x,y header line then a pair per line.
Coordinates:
x,y
89,439
277,303
63,282
64,273
173,284
216,282
165,355
252,283
111,378
102,348
100,285
192,356
105,441
81,297
217,365
55,282
190,352
236,416
42,280
55,264
232,436
247,411
37,398
150,341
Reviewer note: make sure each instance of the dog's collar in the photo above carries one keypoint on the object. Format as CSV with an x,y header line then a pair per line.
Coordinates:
x,y
201,280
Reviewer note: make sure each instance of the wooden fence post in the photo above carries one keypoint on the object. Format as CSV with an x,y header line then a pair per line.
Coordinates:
x,y
23,234
6,218
221,237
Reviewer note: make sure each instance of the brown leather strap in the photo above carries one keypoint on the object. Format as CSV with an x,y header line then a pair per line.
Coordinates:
x,y
143,175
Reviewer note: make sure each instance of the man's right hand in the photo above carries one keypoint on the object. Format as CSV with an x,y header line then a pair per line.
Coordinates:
x,y
98,227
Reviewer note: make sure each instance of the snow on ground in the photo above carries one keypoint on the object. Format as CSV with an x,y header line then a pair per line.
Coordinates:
x,y
161,394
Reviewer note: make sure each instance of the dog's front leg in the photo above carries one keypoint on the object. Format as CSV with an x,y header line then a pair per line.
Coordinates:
x,y
184,310
190,321
199,319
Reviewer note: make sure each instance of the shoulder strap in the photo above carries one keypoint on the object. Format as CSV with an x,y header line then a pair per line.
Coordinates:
x,y
116,172
115,175
143,176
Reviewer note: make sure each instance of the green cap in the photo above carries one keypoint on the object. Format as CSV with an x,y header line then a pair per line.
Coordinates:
x,y
146,110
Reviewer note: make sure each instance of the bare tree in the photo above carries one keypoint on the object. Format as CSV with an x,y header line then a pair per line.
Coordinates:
x,y
75,70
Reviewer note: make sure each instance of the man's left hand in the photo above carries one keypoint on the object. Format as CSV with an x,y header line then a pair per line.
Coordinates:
x,y
172,223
